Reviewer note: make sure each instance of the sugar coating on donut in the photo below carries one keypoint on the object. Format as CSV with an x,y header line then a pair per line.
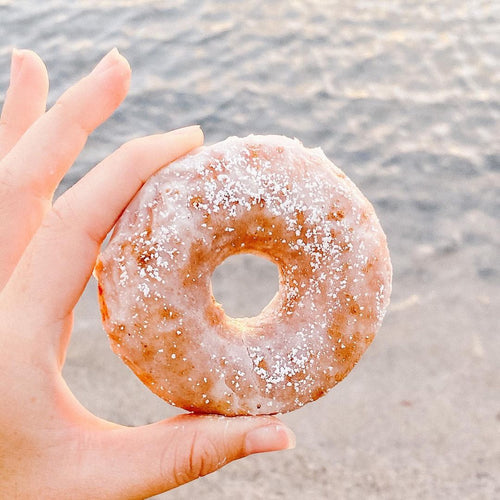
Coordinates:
x,y
266,195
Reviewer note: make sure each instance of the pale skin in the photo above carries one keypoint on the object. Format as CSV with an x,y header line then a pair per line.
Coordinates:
x,y
50,445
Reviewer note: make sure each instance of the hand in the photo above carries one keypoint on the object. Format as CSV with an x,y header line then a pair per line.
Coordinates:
x,y
50,445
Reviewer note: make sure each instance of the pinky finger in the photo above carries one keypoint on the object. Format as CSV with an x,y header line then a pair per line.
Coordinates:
x,y
26,98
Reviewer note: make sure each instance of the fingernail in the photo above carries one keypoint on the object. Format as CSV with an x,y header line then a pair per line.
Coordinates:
x,y
106,62
185,130
16,63
269,438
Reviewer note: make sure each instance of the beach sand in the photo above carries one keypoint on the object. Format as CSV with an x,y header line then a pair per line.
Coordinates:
x,y
417,418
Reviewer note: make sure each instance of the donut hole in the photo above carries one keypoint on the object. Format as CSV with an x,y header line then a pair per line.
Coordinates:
x,y
244,284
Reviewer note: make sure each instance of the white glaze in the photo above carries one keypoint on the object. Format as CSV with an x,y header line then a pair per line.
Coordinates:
x,y
267,195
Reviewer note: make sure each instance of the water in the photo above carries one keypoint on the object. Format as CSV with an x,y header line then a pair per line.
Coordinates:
x,y
404,96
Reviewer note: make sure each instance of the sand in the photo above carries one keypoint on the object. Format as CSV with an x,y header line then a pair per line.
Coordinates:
x,y
417,418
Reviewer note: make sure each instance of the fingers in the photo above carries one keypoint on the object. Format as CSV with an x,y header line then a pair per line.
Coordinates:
x,y
25,100
62,132
59,260
151,459
35,164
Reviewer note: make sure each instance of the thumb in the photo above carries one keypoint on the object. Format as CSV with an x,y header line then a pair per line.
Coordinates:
x,y
144,461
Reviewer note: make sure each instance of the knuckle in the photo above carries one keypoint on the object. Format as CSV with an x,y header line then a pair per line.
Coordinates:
x,y
66,217
132,150
61,214
62,107
70,117
60,209
55,217
198,459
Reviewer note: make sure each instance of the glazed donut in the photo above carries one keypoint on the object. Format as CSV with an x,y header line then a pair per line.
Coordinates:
x,y
265,195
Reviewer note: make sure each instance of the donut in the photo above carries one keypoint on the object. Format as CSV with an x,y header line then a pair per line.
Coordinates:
x,y
265,195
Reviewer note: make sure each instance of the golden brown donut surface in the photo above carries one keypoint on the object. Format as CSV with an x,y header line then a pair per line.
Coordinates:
x,y
266,195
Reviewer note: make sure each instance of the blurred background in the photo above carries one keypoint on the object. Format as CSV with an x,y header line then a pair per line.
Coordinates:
x,y
405,97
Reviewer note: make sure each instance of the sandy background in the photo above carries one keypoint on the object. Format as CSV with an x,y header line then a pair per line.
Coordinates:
x,y
405,97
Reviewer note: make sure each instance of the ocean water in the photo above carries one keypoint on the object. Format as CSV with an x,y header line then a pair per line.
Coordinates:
x,y
404,96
